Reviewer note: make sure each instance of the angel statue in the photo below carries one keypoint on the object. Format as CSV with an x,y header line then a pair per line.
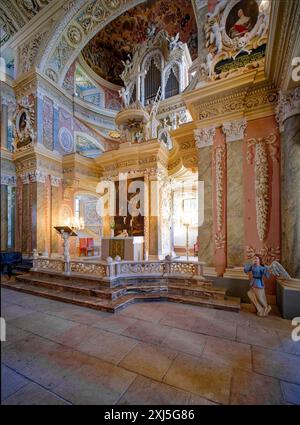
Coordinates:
x,y
123,93
127,68
174,42
256,292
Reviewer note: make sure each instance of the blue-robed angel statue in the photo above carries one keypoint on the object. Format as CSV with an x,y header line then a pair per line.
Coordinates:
x,y
256,292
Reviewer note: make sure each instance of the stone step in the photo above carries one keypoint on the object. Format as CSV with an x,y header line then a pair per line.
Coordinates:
x,y
112,306
229,303
63,296
79,278
197,291
64,285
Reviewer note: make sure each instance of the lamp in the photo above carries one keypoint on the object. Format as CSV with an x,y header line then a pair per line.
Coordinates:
x,y
76,223
187,221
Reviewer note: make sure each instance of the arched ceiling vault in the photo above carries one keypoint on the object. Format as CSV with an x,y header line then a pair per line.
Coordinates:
x,y
80,24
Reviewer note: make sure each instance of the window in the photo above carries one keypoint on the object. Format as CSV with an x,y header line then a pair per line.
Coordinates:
x,y
77,208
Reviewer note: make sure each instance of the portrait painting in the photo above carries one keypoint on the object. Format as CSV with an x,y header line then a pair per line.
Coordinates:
x,y
242,18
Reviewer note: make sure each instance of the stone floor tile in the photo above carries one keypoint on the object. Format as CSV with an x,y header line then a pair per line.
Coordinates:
x,y
185,341
251,388
14,334
42,324
76,335
146,391
11,382
262,337
179,320
115,323
14,311
291,392
149,360
107,345
50,368
207,378
240,318
234,353
200,401
84,316
147,331
143,311
33,394
96,382
277,364
21,353
287,344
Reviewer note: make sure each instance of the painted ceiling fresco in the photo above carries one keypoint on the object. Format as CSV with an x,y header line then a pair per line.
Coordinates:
x,y
112,44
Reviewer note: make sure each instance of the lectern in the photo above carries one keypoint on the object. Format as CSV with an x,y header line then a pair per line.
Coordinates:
x,y
66,232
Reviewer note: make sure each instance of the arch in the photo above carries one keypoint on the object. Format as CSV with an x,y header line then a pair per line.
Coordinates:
x,y
153,63
94,144
82,21
172,69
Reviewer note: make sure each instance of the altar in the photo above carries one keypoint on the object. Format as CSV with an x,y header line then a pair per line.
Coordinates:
x,y
128,248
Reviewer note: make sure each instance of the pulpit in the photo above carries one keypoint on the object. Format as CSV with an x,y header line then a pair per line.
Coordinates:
x,y
128,248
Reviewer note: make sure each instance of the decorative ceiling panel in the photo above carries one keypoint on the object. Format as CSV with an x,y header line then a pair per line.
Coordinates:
x,y
112,44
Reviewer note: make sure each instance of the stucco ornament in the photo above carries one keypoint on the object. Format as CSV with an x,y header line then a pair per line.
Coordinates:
x,y
231,30
263,149
24,122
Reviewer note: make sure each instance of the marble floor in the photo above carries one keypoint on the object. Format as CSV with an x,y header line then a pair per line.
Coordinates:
x,y
149,353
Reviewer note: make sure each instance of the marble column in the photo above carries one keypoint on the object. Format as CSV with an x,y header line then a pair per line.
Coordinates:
x,y
290,195
204,140
234,133
4,125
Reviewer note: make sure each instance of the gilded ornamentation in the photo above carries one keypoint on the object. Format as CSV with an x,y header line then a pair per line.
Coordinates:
x,y
220,241
261,170
268,253
219,157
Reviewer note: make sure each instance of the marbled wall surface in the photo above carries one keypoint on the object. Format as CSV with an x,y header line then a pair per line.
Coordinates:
x,y
25,217
41,231
206,230
290,195
3,217
56,202
235,204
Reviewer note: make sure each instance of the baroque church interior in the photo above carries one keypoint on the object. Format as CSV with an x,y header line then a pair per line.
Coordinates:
x,y
149,151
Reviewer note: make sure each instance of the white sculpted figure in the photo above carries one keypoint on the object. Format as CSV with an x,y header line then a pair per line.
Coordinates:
x,y
151,31
123,93
213,33
220,6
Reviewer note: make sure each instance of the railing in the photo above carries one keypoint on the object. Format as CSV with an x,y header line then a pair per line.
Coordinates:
x,y
114,269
